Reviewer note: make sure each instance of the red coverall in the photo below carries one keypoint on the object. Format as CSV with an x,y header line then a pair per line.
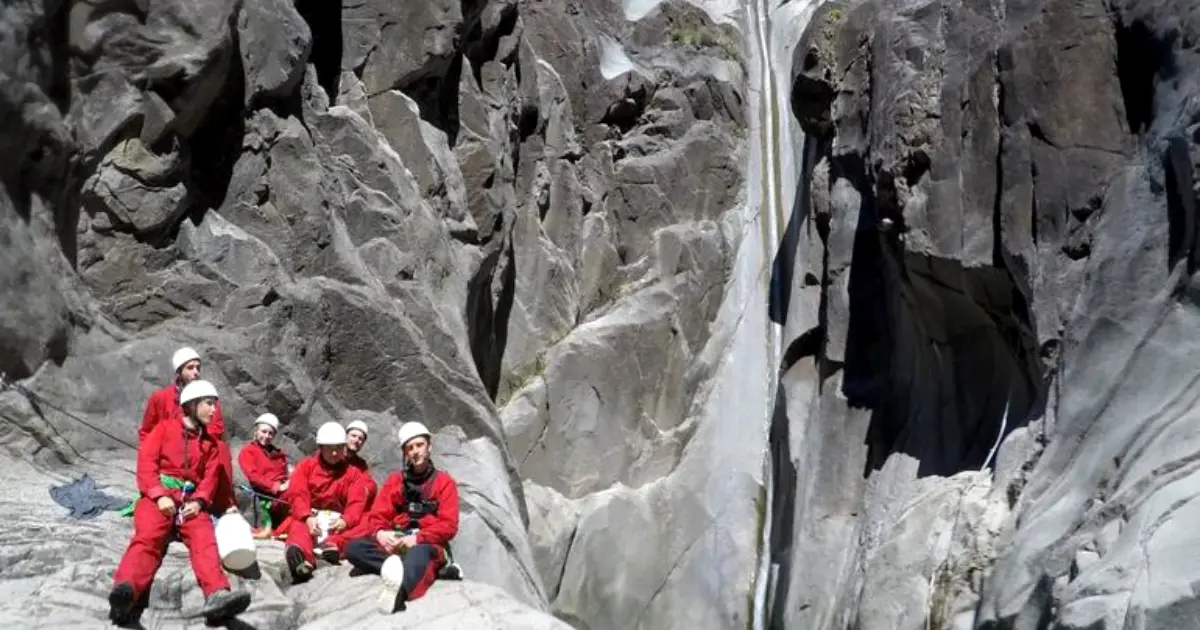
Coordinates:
x,y
361,465
388,513
163,404
266,470
316,485
170,449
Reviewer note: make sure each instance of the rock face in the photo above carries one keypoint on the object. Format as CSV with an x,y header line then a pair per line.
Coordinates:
x,y
518,227
724,314
996,241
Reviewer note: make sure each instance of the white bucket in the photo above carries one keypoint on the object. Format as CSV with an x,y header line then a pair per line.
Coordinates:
x,y
235,542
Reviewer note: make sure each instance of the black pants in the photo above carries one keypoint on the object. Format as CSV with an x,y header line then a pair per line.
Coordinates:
x,y
421,563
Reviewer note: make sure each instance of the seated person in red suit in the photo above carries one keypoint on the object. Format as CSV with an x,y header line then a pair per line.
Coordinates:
x,y
405,537
265,467
323,481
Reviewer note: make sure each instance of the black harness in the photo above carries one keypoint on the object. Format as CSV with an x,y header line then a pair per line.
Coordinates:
x,y
417,503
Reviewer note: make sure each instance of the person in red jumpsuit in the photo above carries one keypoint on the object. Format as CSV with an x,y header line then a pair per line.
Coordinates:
x,y
178,468
164,403
265,467
322,481
405,536
356,439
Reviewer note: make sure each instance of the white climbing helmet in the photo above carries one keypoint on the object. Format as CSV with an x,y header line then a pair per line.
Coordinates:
x,y
181,357
197,389
268,419
357,424
330,434
410,430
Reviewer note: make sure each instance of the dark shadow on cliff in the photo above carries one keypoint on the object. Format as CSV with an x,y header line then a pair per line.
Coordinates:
x,y
783,267
936,350
1181,204
783,508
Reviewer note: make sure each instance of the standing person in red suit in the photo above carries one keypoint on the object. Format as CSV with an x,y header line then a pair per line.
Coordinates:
x,y
265,467
178,468
406,535
164,403
322,481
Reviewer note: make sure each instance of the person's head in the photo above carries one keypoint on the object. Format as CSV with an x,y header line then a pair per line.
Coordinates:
x,y
265,428
186,363
356,435
415,442
331,441
199,401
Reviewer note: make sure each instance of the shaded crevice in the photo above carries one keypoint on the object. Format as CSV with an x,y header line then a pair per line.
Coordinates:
x,y
436,94
215,149
488,310
1142,60
481,46
324,20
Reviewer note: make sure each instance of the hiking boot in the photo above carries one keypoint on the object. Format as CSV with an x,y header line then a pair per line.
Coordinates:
x,y
329,554
450,572
224,605
391,589
300,568
121,601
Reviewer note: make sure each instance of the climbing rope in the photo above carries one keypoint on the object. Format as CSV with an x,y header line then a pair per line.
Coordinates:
x,y
38,401
941,565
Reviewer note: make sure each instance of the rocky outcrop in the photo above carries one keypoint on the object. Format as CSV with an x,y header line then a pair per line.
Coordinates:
x,y
995,244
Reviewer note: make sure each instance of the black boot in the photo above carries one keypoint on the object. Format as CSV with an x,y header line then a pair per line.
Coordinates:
x,y
121,603
300,568
224,605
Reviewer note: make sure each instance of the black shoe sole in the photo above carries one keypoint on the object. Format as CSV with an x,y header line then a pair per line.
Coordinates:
x,y
234,606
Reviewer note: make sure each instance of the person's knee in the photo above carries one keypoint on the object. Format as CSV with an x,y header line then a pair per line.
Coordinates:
x,y
358,547
419,557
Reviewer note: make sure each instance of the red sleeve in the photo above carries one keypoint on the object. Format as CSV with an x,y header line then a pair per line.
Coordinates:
x,y
256,466
216,426
150,417
299,495
148,455
383,508
358,496
439,527
211,473
372,487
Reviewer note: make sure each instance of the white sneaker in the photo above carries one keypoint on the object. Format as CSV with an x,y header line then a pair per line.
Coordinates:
x,y
391,576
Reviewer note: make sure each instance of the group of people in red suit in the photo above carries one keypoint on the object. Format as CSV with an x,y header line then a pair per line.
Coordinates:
x,y
328,504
